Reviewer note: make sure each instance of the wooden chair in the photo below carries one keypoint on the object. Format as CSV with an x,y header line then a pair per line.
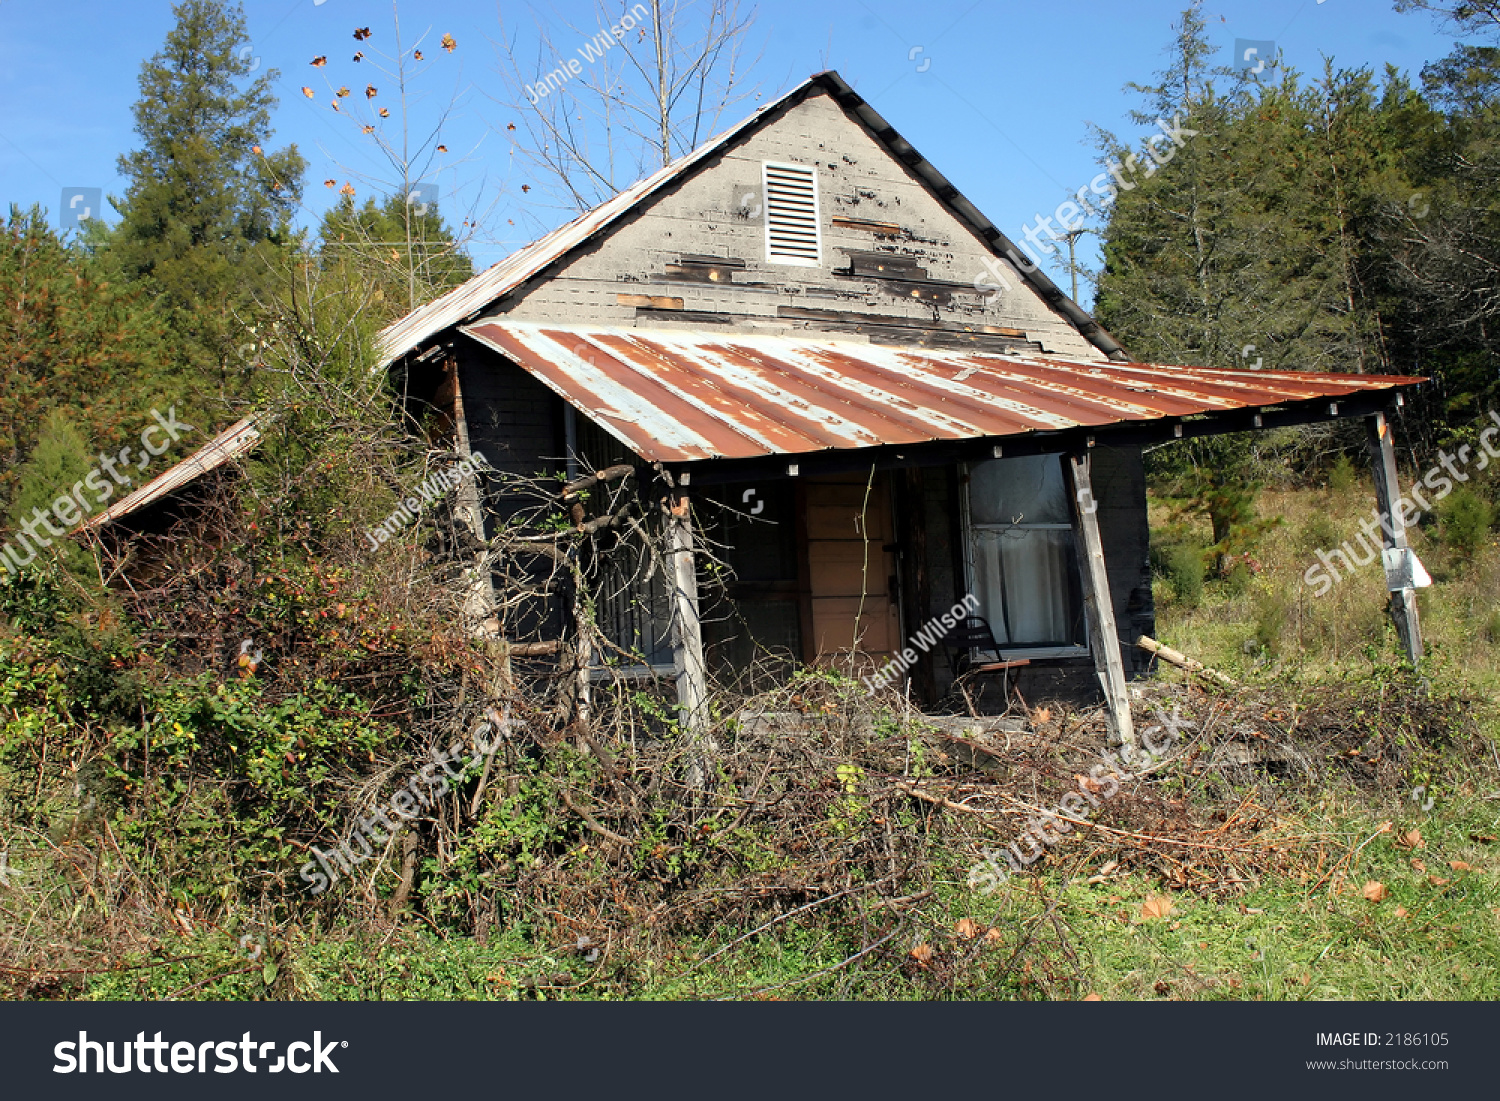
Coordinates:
x,y
973,633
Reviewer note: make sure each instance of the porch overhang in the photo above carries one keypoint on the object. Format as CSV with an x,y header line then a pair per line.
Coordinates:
x,y
728,407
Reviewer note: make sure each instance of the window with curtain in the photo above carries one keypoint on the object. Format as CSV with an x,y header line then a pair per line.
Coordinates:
x,y
1022,557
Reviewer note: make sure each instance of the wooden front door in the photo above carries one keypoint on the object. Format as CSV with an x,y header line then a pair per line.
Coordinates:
x,y
851,571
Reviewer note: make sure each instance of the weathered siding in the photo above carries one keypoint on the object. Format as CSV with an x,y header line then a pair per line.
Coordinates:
x,y
897,266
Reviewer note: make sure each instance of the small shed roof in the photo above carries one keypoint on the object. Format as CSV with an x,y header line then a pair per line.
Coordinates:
x,y
234,441
675,396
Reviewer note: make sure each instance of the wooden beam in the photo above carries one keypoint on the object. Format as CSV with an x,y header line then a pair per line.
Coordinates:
x,y
687,636
1104,640
1403,602
479,604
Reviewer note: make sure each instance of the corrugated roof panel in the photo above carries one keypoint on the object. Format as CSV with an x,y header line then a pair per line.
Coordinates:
x,y
674,396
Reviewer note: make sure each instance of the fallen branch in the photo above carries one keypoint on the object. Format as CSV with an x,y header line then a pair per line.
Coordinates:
x,y
1182,661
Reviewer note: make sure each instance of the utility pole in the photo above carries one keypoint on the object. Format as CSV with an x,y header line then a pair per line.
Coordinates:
x,y
1071,236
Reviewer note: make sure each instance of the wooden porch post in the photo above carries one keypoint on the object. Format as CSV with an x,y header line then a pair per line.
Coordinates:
x,y
687,634
479,604
1403,601
1104,640
915,578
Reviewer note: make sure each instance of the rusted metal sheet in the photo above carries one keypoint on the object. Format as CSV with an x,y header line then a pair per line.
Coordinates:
x,y
679,396
236,440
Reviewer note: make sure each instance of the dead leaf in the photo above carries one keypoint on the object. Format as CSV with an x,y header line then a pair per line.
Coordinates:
x,y
922,953
968,928
1401,911
448,43
367,129
1437,881
1042,715
370,91
1419,865
1483,838
330,183
992,937
359,55
255,149
416,55
320,61
1092,998
1411,839
342,92
1112,899
1162,988
1203,944
1460,866
442,149
1155,907
308,92
385,113
1375,891
361,34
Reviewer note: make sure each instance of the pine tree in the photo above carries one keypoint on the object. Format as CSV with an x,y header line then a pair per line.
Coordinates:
x,y
207,209
401,247
68,339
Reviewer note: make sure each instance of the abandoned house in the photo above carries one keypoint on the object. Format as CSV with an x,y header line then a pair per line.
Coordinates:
x,y
791,329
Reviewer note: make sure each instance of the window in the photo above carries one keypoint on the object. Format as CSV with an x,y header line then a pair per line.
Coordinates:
x,y
1022,558
792,216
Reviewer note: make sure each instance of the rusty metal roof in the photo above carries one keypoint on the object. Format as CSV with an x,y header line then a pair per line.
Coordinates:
x,y
231,443
465,302
674,396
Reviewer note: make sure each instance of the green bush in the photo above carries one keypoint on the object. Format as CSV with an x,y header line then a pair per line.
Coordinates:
x,y
1180,562
1342,476
1464,521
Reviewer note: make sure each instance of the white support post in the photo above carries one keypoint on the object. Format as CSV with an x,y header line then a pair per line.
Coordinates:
x,y
1104,640
1403,602
687,634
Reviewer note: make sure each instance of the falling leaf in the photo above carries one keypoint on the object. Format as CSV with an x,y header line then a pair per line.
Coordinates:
x,y
385,114
1460,866
922,953
1400,911
330,183
334,105
370,91
442,149
1092,998
369,129
1375,891
510,126
1156,906
525,187
255,149
416,55
361,34
320,61
449,44
308,92
359,55
342,92
347,189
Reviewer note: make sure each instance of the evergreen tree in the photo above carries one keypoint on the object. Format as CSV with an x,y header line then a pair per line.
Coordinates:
x,y
402,248
207,209
68,339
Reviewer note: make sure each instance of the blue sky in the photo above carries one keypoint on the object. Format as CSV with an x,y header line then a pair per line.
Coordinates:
x,y
998,95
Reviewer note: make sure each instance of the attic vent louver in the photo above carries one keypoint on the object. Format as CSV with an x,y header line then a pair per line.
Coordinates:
x,y
792,215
